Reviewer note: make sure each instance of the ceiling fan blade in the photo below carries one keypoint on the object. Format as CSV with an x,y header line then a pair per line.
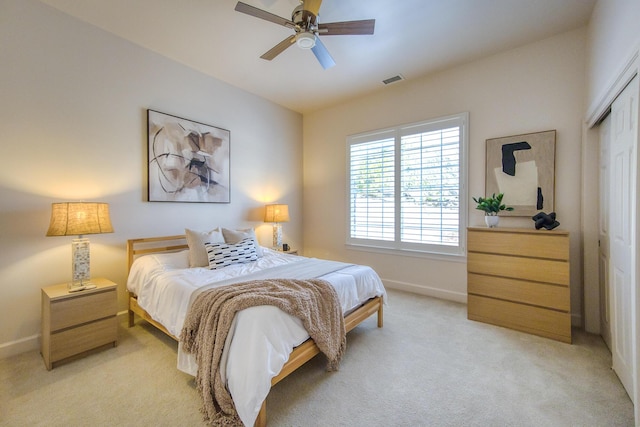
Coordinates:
x,y
312,6
259,13
279,48
365,26
323,55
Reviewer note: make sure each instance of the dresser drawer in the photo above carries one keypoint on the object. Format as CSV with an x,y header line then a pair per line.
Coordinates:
x,y
76,340
534,244
83,308
526,318
555,297
537,270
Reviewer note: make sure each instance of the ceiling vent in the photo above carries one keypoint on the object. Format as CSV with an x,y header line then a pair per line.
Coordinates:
x,y
393,79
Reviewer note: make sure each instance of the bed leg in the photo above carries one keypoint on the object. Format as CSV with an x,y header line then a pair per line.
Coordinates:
x,y
261,421
131,319
380,315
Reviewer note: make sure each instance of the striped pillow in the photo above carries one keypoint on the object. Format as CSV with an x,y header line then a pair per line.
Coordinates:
x,y
223,254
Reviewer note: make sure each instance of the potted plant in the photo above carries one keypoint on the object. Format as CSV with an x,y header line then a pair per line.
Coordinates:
x,y
491,206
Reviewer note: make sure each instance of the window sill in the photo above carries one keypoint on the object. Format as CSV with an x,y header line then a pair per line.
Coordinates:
x,y
408,253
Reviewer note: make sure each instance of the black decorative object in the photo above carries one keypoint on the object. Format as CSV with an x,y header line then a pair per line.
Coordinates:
x,y
543,220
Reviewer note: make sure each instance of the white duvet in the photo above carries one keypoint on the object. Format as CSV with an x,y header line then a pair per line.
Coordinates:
x,y
261,338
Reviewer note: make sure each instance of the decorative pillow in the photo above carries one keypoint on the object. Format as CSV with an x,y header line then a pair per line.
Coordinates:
x,y
223,254
234,236
196,241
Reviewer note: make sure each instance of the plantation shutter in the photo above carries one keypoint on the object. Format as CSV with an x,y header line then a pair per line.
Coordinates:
x,y
406,187
372,189
430,173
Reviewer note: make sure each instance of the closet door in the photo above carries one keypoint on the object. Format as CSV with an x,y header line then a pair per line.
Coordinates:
x,y
603,233
622,229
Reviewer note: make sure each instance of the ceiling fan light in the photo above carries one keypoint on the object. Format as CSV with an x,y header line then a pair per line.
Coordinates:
x,y
306,40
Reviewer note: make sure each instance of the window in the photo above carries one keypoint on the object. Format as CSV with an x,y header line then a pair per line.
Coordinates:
x,y
406,187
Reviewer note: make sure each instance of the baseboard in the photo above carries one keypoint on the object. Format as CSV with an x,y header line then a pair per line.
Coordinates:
x,y
576,320
22,345
426,290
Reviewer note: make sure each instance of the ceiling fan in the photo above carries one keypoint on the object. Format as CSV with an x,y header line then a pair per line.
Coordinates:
x,y
304,21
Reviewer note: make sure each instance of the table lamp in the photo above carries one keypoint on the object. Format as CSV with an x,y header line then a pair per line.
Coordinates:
x,y
276,214
78,219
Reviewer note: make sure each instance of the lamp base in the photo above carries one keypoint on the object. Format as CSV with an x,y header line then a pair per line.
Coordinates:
x,y
277,235
80,263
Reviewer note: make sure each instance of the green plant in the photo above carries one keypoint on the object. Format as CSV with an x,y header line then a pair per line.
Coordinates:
x,y
491,205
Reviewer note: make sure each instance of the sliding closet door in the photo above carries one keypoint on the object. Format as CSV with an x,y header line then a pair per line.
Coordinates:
x,y
603,232
622,229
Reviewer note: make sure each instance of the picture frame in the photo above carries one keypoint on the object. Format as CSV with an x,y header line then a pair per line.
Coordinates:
x,y
522,167
188,161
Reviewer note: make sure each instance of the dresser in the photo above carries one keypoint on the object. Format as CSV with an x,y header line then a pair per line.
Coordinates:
x,y
519,279
74,322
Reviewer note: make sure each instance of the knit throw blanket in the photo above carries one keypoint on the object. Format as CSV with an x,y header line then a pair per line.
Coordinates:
x,y
207,324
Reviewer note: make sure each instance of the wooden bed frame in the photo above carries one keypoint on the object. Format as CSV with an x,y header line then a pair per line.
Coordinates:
x,y
299,356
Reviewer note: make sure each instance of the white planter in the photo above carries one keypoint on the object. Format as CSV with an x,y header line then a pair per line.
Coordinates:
x,y
491,220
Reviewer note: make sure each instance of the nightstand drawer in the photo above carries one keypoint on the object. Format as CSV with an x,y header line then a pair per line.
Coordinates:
x,y
76,340
84,308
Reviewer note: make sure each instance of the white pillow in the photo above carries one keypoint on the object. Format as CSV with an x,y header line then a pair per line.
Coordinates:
x,y
196,241
234,236
173,260
223,254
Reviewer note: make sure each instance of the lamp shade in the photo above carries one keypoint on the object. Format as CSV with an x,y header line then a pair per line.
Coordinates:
x,y
79,218
276,213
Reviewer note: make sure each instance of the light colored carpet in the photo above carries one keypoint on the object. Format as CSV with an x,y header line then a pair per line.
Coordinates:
x,y
428,366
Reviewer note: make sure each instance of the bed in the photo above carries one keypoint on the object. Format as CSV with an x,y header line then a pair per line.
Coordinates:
x,y
161,283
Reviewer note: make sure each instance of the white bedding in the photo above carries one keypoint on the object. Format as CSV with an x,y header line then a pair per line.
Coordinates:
x,y
261,338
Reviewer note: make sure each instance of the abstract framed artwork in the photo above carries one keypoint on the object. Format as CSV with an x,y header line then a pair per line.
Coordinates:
x,y
188,161
523,168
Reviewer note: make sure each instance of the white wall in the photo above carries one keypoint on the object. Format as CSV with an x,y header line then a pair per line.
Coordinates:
x,y
534,88
613,37
73,127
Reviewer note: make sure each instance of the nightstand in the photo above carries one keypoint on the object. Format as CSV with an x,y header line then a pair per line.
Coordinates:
x,y
75,322
290,251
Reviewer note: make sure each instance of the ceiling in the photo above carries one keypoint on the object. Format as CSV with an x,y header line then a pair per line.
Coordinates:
x,y
412,38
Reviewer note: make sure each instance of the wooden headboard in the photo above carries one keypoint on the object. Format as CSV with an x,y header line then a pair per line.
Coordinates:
x,y
149,245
